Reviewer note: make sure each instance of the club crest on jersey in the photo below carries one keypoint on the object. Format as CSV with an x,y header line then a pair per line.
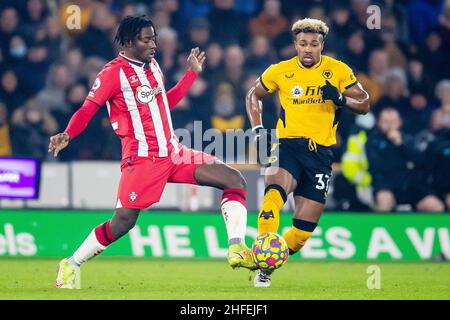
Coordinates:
x,y
327,74
297,91
133,196
145,94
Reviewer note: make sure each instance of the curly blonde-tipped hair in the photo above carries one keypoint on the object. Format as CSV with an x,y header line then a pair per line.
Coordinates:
x,y
310,25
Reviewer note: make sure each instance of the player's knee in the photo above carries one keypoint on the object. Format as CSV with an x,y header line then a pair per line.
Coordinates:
x,y
235,180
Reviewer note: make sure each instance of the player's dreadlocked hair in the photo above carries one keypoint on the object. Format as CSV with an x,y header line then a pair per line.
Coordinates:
x,y
310,25
130,27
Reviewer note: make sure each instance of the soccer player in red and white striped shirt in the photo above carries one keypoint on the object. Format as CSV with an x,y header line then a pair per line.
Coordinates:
x,y
132,88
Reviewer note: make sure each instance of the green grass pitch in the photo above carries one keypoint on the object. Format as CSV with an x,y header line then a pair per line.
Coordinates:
x,y
173,279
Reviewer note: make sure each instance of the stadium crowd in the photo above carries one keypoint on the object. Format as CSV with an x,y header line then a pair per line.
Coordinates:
x,y
402,146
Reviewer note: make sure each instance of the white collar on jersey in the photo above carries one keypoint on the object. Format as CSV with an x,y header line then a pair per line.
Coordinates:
x,y
138,63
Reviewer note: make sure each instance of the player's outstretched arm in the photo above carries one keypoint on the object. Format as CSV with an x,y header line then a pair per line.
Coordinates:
x,y
195,62
77,124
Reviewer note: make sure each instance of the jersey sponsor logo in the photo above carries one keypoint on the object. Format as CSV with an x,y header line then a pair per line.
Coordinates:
x,y
145,94
96,84
297,91
133,196
289,76
327,74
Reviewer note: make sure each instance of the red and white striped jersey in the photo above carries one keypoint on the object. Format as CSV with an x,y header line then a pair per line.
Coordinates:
x,y
137,104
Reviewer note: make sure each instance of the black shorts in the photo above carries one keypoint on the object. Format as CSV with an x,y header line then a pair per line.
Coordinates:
x,y
310,168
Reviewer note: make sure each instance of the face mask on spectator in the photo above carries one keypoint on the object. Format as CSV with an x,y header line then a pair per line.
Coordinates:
x,y
18,52
365,121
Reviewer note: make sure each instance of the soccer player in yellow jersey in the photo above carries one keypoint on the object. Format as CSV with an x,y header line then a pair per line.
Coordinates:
x,y
311,88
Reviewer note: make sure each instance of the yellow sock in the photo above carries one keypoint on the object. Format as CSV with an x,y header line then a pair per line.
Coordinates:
x,y
296,239
269,216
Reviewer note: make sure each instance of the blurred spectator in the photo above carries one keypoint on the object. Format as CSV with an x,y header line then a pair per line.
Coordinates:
x,y
5,142
418,79
8,26
260,57
227,113
340,29
96,40
52,37
73,59
35,14
433,57
227,25
91,68
17,51
417,117
396,50
438,163
269,23
198,34
200,102
423,15
182,117
443,27
284,43
395,92
74,96
441,116
167,52
392,159
52,97
234,70
355,53
359,14
160,17
214,61
177,19
374,80
30,131
37,64
9,91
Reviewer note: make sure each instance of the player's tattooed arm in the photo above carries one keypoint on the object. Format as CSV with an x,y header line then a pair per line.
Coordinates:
x,y
253,103
357,99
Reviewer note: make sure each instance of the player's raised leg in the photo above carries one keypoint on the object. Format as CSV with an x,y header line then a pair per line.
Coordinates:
x,y
279,184
123,220
234,212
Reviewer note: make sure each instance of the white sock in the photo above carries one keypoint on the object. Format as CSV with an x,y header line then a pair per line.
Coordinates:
x,y
88,249
235,216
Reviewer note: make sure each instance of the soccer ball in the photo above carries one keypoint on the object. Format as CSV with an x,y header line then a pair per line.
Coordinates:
x,y
270,251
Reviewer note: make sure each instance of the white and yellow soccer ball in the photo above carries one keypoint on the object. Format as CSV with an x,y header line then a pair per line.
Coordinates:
x,y
270,251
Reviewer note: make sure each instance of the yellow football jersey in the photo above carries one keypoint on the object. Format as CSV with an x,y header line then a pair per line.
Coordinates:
x,y
303,111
